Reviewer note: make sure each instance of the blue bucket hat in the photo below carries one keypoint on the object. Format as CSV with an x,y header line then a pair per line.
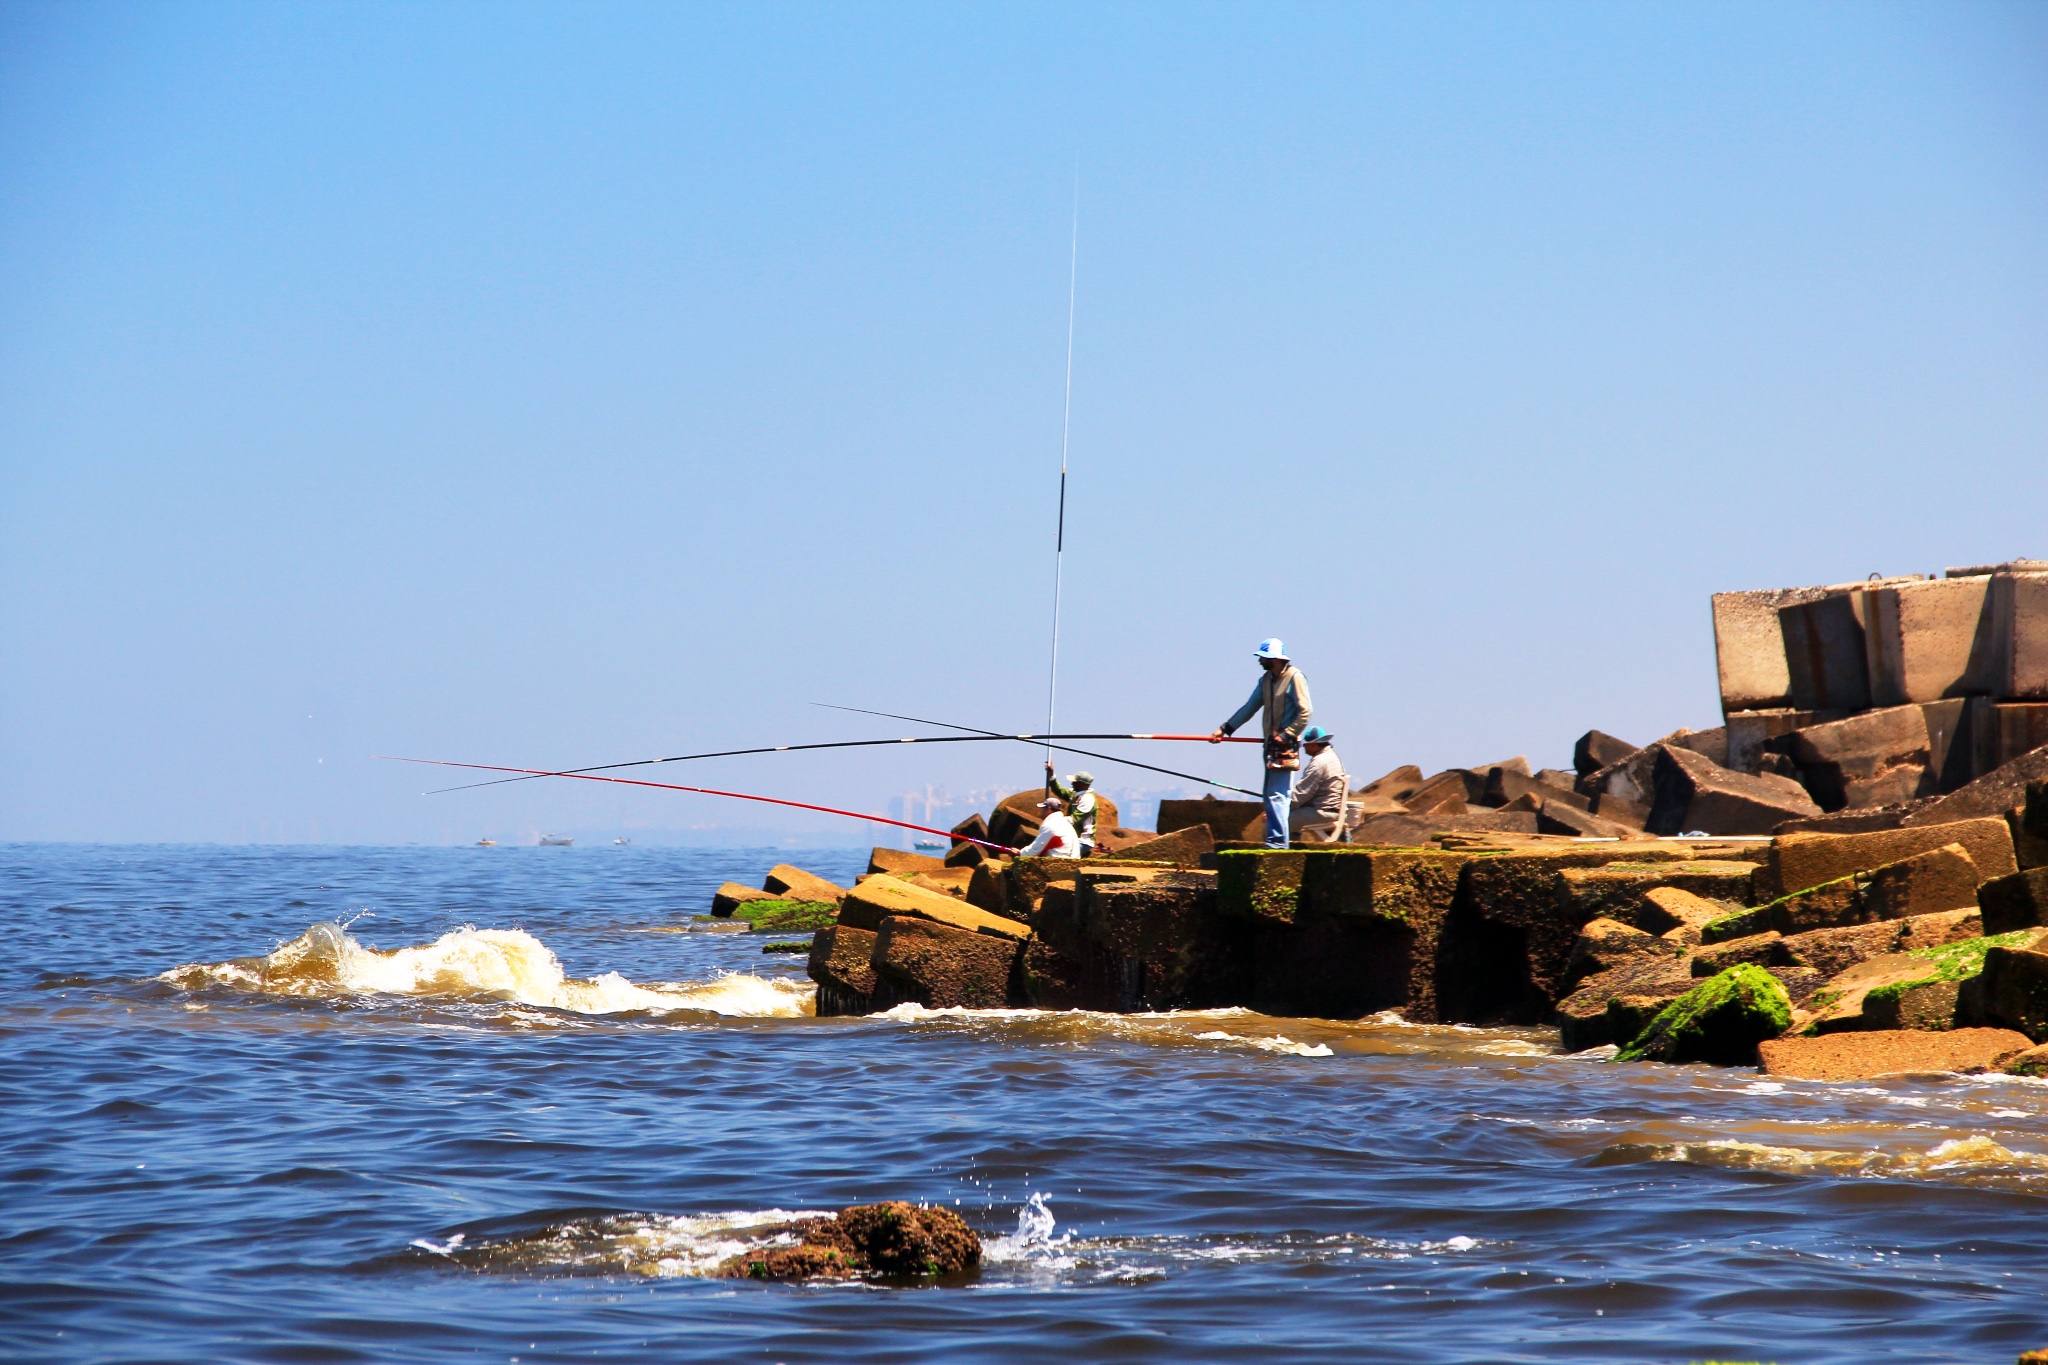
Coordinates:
x,y
1316,734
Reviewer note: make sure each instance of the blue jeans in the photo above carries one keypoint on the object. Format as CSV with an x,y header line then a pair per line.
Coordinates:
x,y
1279,796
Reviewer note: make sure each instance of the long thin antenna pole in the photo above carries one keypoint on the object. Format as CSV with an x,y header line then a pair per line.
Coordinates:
x,y
1052,681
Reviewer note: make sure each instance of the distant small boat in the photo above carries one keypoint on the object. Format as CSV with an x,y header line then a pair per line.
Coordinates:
x,y
555,841
929,843
487,843
622,841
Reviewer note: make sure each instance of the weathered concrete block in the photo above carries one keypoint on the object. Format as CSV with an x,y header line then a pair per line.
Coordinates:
x,y
1993,794
1826,651
1448,792
1596,750
1503,788
1604,944
939,966
1621,890
1259,884
1695,793
1510,933
896,860
793,883
1927,1005
731,896
1678,914
1869,1056
1228,821
1756,949
842,963
1927,640
1833,951
1749,647
2018,607
1797,861
2029,823
1944,878
1871,759
2018,901
1562,817
2001,732
878,898
1185,847
1389,792
1590,1016
2015,990
1167,947
1751,732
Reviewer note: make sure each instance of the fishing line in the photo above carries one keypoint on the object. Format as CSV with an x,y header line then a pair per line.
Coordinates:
x,y
1052,680
1085,753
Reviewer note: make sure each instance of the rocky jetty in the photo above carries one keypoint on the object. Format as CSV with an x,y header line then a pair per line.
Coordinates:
x,y
893,1240
1860,848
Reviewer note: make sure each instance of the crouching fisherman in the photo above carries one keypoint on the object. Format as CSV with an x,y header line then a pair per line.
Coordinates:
x,y
1056,836
1317,816
1080,799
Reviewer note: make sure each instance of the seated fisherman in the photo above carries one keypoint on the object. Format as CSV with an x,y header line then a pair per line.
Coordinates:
x,y
1056,836
1317,813
1080,799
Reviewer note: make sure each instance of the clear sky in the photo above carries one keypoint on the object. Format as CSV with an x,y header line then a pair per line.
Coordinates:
x,y
560,384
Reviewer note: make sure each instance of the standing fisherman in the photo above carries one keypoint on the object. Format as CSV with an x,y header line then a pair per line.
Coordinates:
x,y
1283,693
1080,799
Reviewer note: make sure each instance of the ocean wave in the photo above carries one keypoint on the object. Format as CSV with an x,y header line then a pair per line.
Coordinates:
x,y
655,1245
1976,1159
503,965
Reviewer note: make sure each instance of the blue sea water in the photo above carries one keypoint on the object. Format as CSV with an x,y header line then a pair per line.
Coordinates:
x,y
354,1104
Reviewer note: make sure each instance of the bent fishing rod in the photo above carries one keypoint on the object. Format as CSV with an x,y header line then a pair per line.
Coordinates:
x,y
1106,758
712,791
978,737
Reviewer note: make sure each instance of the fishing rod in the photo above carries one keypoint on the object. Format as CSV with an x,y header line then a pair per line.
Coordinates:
x,y
711,791
1059,550
793,748
1085,753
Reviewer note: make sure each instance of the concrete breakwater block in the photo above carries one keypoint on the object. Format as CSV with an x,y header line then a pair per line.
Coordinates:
x,y
1890,1052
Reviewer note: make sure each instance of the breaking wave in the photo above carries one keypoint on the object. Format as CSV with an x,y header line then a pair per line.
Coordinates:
x,y
503,965
632,1244
1970,1160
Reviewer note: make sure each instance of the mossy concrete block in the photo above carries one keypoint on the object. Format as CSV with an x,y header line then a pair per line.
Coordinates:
x,y
2016,902
1260,884
1588,1017
781,915
731,896
1719,1021
1846,1005
1163,944
1916,1005
1833,951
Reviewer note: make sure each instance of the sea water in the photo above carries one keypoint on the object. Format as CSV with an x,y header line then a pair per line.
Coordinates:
x,y
306,1104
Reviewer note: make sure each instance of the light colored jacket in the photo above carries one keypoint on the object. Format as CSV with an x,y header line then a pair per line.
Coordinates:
x,y
1083,807
1321,787
1286,703
1056,838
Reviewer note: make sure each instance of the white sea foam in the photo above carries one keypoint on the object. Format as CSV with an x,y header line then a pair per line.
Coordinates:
x,y
1976,1157
1278,1043
481,964
1033,1243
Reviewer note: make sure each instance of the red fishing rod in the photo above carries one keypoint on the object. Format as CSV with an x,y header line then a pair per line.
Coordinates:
x,y
707,791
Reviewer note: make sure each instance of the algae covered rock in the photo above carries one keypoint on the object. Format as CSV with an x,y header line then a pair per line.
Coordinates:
x,y
1720,1021
894,1239
778,914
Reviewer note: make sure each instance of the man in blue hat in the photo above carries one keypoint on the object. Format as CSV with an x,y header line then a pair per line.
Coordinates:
x,y
1283,695
1318,814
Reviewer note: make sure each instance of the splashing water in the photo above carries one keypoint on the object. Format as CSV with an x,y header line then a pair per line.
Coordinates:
x,y
1032,1243
479,964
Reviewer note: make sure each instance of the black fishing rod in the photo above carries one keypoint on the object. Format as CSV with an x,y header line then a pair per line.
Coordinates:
x,y
979,737
1032,739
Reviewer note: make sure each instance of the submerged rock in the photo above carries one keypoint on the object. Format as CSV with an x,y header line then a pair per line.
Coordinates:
x,y
1720,1021
895,1239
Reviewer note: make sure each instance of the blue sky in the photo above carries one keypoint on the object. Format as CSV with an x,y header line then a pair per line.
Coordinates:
x,y
560,384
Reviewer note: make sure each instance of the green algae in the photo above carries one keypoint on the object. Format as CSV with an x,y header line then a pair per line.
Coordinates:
x,y
786,916
1721,1020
